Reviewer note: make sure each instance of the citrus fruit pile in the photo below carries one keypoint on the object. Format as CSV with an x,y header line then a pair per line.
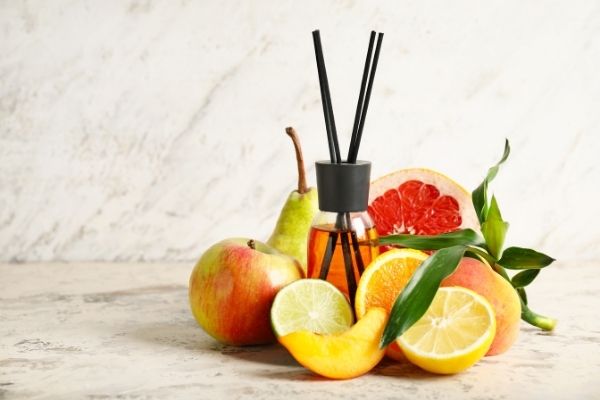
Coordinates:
x,y
313,320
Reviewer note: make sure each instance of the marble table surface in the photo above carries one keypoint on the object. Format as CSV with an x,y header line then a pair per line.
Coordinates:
x,y
100,331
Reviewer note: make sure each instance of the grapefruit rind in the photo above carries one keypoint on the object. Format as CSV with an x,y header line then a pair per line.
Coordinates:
x,y
445,185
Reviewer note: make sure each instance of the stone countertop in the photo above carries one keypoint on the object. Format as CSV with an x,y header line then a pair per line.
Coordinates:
x,y
125,331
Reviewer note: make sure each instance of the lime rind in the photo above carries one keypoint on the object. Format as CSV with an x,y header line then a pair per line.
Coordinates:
x,y
312,305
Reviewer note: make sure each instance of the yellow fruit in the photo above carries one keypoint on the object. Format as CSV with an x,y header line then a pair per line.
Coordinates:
x,y
481,278
382,282
455,332
342,356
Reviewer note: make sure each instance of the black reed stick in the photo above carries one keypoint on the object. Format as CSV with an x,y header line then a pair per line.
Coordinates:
x,y
331,141
350,278
328,256
361,95
332,138
331,245
355,245
354,149
324,101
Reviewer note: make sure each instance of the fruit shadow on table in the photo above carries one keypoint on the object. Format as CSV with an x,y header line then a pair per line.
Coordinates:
x,y
180,331
386,368
185,335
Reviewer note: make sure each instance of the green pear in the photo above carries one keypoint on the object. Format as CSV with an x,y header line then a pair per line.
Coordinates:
x,y
290,235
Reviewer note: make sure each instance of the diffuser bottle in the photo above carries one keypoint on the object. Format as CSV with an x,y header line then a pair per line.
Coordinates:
x,y
342,240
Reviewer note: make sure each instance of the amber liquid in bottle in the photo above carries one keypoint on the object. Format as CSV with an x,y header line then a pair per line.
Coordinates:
x,y
365,243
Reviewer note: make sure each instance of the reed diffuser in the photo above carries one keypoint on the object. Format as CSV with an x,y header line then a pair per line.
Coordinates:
x,y
343,238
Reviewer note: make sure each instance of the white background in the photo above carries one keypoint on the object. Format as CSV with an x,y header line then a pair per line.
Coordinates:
x,y
149,130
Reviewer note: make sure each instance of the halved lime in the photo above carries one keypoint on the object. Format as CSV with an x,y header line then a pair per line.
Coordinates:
x,y
312,305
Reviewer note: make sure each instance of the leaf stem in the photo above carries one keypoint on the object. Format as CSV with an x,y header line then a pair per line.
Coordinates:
x,y
481,252
527,315
540,321
522,294
501,271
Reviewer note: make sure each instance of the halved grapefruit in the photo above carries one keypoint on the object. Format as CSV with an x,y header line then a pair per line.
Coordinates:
x,y
420,202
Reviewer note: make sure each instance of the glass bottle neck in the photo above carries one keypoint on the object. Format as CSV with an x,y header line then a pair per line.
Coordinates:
x,y
358,222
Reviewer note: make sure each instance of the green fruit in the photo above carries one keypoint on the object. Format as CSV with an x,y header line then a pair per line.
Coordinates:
x,y
290,235
312,305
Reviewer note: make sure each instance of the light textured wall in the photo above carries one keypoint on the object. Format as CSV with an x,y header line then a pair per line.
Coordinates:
x,y
146,130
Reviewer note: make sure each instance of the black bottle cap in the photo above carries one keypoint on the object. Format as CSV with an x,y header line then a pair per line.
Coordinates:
x,y
343,187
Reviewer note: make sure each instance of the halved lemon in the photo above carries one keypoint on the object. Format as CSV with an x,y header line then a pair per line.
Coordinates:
x,y
312,305
455,332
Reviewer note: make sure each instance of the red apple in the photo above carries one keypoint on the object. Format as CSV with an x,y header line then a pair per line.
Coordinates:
x,y
233,286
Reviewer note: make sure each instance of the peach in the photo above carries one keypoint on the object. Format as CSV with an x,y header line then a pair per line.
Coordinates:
x,y
481,278
342,356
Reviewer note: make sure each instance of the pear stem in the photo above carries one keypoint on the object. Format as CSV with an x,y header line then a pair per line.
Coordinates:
x,y
302,187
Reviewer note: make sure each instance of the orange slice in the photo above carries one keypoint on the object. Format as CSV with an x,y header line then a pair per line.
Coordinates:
x,y
382,282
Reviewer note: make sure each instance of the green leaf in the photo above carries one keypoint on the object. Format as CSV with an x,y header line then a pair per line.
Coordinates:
x,y
434,242
479,195
521,258
494,210
494,229
524,278
418,294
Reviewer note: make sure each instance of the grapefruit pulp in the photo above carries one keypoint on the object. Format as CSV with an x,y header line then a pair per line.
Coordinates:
x,y
420,202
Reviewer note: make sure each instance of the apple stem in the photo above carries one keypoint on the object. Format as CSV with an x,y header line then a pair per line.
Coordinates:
x,y
251,244
302,188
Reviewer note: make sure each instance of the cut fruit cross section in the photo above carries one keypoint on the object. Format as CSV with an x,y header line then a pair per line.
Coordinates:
x,y
420,202
455,332
383,281
312,305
